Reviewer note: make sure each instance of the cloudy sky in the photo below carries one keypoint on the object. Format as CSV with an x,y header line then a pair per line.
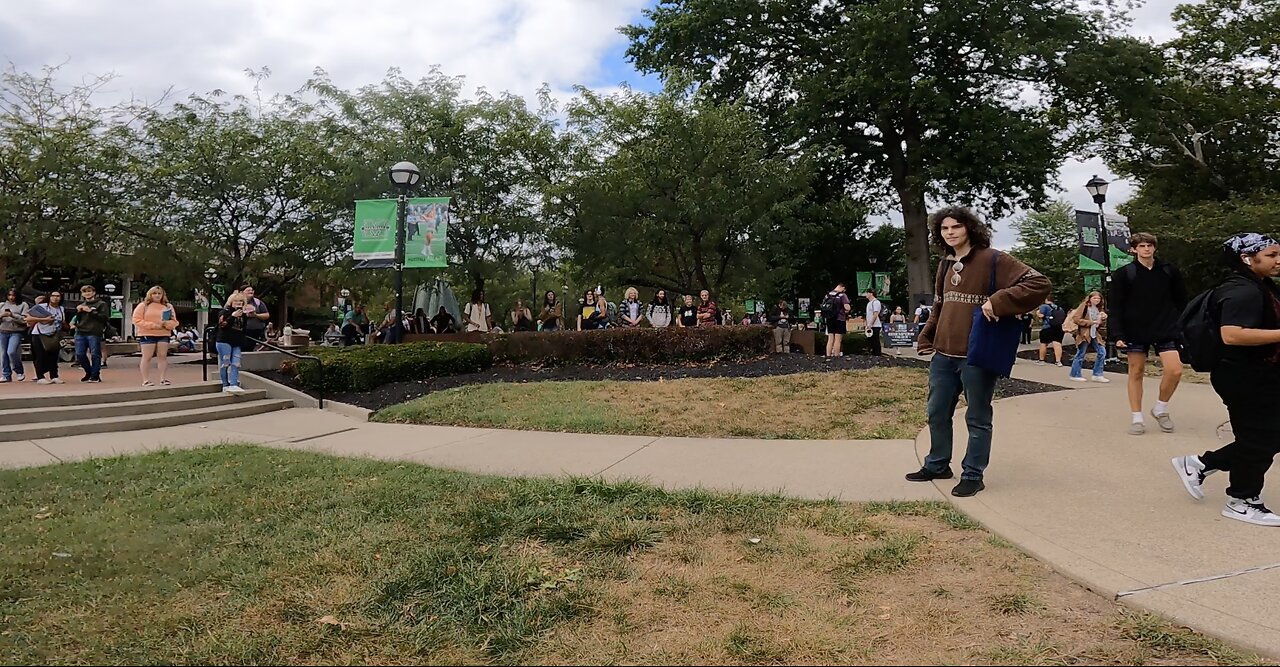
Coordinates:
x,y
512,45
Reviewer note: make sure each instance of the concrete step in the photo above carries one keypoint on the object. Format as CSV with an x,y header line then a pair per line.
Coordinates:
x,y
90,408
127,396
135,422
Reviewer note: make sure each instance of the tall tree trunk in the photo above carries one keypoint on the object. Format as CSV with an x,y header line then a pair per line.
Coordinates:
x,y
915,217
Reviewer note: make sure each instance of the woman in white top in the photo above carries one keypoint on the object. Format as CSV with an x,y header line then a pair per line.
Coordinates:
x,y
660,310
477,313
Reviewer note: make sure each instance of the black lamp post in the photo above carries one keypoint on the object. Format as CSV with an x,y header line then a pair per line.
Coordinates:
x,y
1098,190
404,175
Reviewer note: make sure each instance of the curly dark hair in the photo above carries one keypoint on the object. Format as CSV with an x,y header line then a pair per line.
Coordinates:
x,y
979,231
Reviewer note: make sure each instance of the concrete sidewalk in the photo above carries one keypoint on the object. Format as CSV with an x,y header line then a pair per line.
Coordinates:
x,y
1068,485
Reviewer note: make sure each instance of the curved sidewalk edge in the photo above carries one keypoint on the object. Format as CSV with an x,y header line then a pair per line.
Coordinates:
x,y
1071,488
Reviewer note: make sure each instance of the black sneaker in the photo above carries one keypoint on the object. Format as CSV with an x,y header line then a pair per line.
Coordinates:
x,y
95,379
968,487
926,475
86,378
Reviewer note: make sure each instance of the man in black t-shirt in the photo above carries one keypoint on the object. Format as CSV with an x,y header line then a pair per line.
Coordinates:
x,y
1247,377
1147,297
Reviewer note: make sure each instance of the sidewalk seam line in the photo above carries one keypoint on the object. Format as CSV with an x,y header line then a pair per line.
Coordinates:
x,y
41,448
1198,580
637,451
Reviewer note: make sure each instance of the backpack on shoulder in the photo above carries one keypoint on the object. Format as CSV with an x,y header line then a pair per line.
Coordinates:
x,y
829,307
1200,342
1057,316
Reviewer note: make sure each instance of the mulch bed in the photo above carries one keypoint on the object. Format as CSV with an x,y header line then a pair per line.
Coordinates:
x,y
1069,353
398,392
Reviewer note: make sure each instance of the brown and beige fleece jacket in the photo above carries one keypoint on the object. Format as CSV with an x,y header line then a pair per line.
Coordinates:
x,y
1019,289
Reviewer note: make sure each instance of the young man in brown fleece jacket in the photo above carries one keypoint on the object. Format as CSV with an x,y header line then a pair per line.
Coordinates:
x,y
962,284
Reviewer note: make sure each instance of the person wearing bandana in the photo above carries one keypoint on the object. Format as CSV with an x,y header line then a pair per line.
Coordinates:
x,y
963,285
1246,377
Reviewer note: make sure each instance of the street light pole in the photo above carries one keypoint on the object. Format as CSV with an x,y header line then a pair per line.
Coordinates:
x,y
404,175
1097,187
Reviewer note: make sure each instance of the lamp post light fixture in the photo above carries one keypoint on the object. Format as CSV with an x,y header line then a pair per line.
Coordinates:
x,y
405,176
1097,188
110,288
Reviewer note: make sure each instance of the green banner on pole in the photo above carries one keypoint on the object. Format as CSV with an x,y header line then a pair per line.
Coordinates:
x,y
426,231
864,281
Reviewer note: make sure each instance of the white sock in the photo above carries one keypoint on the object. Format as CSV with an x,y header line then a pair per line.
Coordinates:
x,y
1137,417
1162,408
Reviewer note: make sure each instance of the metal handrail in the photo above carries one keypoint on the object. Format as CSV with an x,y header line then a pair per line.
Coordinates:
x,y
204,361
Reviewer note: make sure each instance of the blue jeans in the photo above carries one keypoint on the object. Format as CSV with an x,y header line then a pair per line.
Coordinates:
x,y
948,376
228,364
85,345
11,350
1083,349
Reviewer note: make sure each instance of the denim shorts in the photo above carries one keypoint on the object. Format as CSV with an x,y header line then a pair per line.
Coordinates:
x,y
152,340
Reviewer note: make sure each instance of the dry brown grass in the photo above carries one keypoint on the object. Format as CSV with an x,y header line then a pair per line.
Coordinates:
x,y
883,403
888,589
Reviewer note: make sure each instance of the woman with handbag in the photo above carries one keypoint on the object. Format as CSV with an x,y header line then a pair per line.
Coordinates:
x,y
974,329
46,319
1089,318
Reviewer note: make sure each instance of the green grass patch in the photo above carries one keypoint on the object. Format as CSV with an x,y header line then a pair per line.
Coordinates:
x,y
783,407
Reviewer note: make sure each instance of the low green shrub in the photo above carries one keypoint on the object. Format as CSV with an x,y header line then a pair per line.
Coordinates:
x,y
633,346
365,367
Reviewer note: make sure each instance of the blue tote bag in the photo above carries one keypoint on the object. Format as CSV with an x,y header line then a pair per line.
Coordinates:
x,y
993,345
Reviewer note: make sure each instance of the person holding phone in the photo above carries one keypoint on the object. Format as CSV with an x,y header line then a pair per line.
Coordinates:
x,y
13,326
256,317
231,341
154,320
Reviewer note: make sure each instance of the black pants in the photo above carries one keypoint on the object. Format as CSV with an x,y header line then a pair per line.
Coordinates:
x,y
875,339
45,362
1251,395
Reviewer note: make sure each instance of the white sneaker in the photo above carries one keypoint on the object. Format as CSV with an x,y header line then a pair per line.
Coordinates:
x,y
1100,378
1040,362
235,389
1192,473
1250,511
22,378
1078,379
56,381
43,381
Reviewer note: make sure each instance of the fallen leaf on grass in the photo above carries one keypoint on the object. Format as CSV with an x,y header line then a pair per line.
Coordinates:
x,y
330,620
44,515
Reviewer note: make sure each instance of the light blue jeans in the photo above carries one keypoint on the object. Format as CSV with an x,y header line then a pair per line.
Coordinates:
x,y
11,349
228,364
1083,349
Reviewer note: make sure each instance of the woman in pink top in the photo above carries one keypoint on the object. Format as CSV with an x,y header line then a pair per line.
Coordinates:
x,y
154,321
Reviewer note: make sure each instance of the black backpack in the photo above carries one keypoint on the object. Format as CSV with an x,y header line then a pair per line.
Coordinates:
x,y
830,305
1201,341
1057,316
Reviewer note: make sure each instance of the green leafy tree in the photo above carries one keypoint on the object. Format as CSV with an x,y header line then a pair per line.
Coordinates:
x,y
907,101
1048,240
494,156
63,178
673,192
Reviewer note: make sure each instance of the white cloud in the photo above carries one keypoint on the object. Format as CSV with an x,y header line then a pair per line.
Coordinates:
x,y
502,45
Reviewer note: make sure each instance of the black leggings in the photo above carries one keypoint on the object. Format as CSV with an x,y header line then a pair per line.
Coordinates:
x,y
45,362
1251,394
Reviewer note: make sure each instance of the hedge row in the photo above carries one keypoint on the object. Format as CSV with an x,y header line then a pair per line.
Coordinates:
x,y
632,346
366,367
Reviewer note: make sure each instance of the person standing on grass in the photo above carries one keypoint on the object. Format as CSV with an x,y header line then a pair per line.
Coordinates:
x,y
659,313
688,313
46,319
780,318
154,320
13,326
1052,317
552,312
91,316
630,311
1090,316
875,322
1147,298
962,285
708,311
1247,378
231,341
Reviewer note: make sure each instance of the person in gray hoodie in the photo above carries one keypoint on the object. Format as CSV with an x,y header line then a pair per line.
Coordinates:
x,y
13,326
91,323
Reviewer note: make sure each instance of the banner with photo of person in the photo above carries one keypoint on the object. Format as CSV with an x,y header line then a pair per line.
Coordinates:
x,y
425,238
1092,256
